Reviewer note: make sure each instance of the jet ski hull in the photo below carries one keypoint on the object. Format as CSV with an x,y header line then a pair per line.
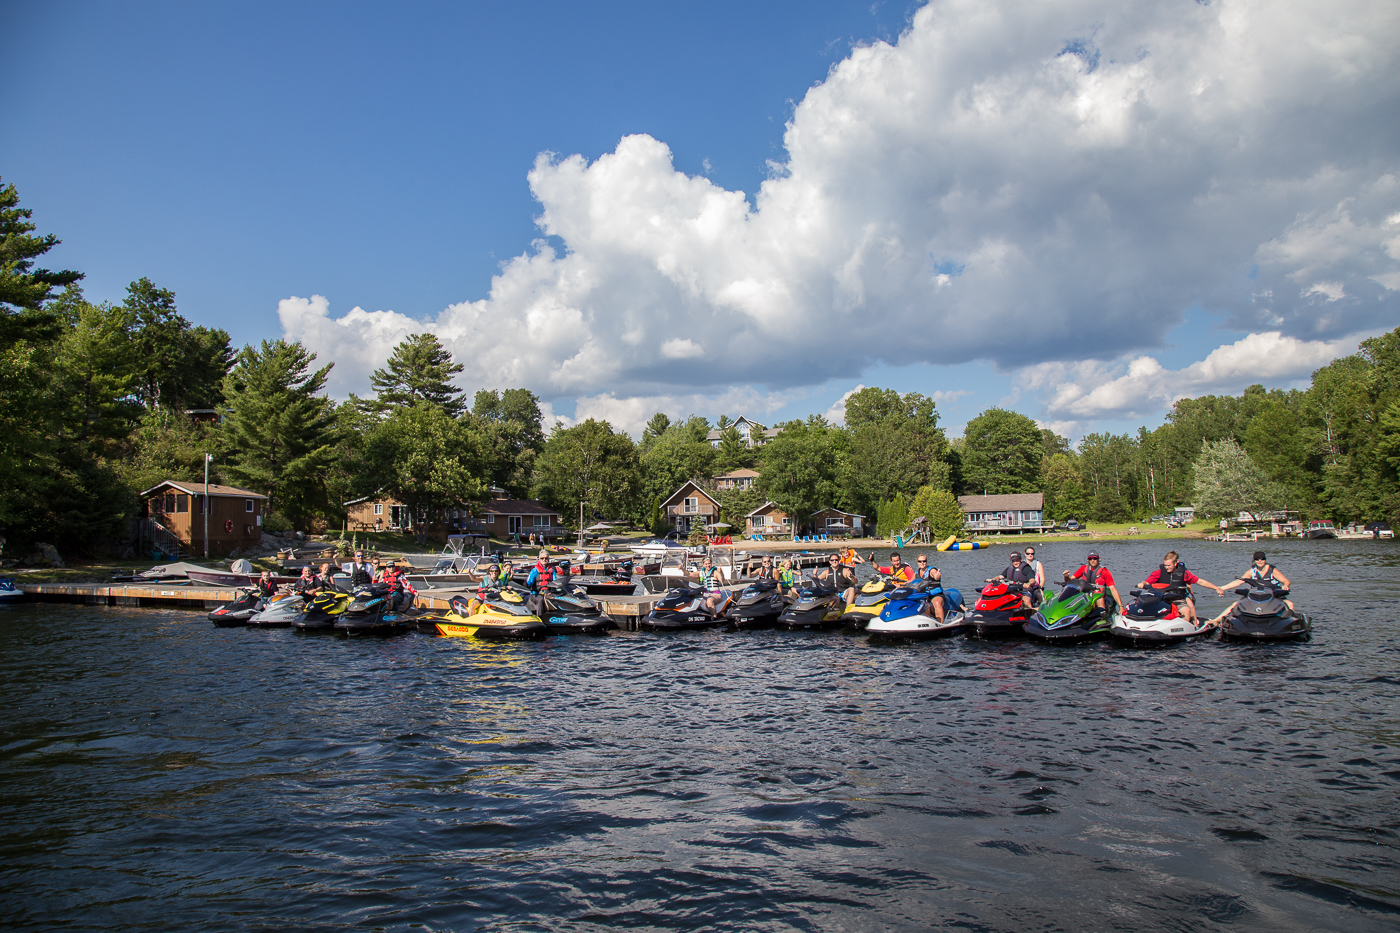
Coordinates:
x,y
917,627
513,631
814,619
669,621
236,612
1290,626
384,626
983,623
578,624
1154,631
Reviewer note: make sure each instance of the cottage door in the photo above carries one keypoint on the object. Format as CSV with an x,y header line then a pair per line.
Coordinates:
x,y
513,524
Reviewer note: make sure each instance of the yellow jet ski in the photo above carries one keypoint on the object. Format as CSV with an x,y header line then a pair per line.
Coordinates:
x,y
491,615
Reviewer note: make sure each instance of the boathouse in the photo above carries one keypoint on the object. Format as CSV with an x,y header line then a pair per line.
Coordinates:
x,y
172,518
768,519
690,507
833,521
1010,513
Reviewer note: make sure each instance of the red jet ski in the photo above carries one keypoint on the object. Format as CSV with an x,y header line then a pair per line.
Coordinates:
x,y
998,613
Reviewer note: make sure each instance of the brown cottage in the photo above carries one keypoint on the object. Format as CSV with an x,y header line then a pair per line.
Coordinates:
x,y
768,519
174,513
742,478
504,518
690,507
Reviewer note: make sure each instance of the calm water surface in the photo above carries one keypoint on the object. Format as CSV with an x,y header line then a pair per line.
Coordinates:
x,y
158,773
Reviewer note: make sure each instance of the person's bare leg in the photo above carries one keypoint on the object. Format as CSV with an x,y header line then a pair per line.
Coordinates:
x,y
938,609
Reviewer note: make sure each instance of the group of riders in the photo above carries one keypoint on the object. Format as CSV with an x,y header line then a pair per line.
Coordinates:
x,y
1171,576
840,574
399,593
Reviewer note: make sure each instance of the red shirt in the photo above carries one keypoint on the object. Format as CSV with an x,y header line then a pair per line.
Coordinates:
x,y
1156,577
1105,577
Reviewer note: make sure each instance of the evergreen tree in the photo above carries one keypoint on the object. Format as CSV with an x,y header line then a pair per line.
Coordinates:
x,y
280,431
733,453
427,460
420,368
655,428
24,290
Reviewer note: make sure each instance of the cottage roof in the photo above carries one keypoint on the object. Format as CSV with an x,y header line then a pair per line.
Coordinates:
x,y
197,489
516,507
1016,501
832,510
754,428
741,473
768,506
691,485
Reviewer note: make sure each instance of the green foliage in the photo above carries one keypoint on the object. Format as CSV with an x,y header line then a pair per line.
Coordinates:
x,y
800,467
177,365
735,505
658,519
893,516
1002,453
276,523
426,459
655,428
25,290
895,445
1227,481
511,427
941,509
1064,496
733,453
588,463
420,369
675,457
280,432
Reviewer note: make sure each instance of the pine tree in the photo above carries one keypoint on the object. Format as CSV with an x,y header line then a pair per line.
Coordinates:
x,y
280,431
419,369
24,290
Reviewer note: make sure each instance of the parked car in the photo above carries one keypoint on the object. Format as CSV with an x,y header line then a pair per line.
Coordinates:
x,y
1071,525
1380,530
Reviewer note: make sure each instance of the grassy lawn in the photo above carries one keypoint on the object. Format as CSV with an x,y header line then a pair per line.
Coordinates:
x,y
1102,531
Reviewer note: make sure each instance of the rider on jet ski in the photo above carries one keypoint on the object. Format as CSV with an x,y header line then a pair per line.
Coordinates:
x,y
711,579
1018,572
1174,572
265,587
839,577
898,569
1261,572
1038,584
1099,578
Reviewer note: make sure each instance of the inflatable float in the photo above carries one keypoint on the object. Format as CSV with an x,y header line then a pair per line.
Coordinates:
x,y
953,544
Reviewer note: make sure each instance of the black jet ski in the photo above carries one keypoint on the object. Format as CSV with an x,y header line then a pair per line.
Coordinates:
x,y
371,612
324,609
998,613
815,607
1262,615
568,610
683,609
238,611
758,605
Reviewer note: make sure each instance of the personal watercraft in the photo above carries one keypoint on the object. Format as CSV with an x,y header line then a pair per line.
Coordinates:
x,y
1153,619
869,602
909,614
9,593
1262,615
280,611
758,605
1075,615
568,610
324,610
683,609
493,614
238,610
815,607
372,612
999,612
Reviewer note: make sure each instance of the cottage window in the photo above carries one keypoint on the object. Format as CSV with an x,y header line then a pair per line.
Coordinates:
x,y
787,521
692,504
379,508
490,519
247,505
170,502
541,521
182,503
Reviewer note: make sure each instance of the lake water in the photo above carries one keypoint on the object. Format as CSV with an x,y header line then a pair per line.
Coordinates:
x,y
158,773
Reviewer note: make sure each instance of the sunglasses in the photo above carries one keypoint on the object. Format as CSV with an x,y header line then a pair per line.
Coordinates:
x,y
923,562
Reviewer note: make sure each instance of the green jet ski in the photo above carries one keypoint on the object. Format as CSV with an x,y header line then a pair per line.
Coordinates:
x,y
1070,618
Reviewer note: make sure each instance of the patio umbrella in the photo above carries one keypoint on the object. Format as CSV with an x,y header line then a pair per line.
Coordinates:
x,y
600,526
717,525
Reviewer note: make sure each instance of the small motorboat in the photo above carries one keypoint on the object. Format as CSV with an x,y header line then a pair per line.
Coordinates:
x,y
1262,615
1322,528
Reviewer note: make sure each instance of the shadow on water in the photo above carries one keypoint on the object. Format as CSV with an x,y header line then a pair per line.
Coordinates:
x,y
156,772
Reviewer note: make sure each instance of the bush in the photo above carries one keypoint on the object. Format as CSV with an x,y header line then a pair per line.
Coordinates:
x,y
276,523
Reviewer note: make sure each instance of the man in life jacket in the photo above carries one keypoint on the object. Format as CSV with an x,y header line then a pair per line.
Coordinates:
x,y
360,570
1038,584
1174,573
839,577
264,585
898,570
1261,573
1018,571
307,584
1093,577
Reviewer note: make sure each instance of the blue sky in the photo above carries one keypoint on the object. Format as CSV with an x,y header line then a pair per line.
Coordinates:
x,y
1045,209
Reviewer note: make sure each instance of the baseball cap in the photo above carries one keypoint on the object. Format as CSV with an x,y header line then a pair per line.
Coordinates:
x,y
1015,555
1259,555
1093,555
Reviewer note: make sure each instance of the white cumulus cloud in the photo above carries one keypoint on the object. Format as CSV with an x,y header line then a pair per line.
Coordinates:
x,y
1009,181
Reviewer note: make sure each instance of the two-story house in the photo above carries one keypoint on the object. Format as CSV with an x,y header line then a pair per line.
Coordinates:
x,y
690,507
742,479
751,433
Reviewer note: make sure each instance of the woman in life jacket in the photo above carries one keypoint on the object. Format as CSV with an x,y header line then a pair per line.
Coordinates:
x,y
1261,572
711,578
307,584
1174,573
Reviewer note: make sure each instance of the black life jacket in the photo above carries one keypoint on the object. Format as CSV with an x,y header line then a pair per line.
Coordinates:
x,y
1175,579
1267,575
359,576
1025,574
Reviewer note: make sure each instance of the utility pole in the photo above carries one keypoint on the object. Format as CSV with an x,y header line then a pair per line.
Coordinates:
x,y
207,458
580,524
